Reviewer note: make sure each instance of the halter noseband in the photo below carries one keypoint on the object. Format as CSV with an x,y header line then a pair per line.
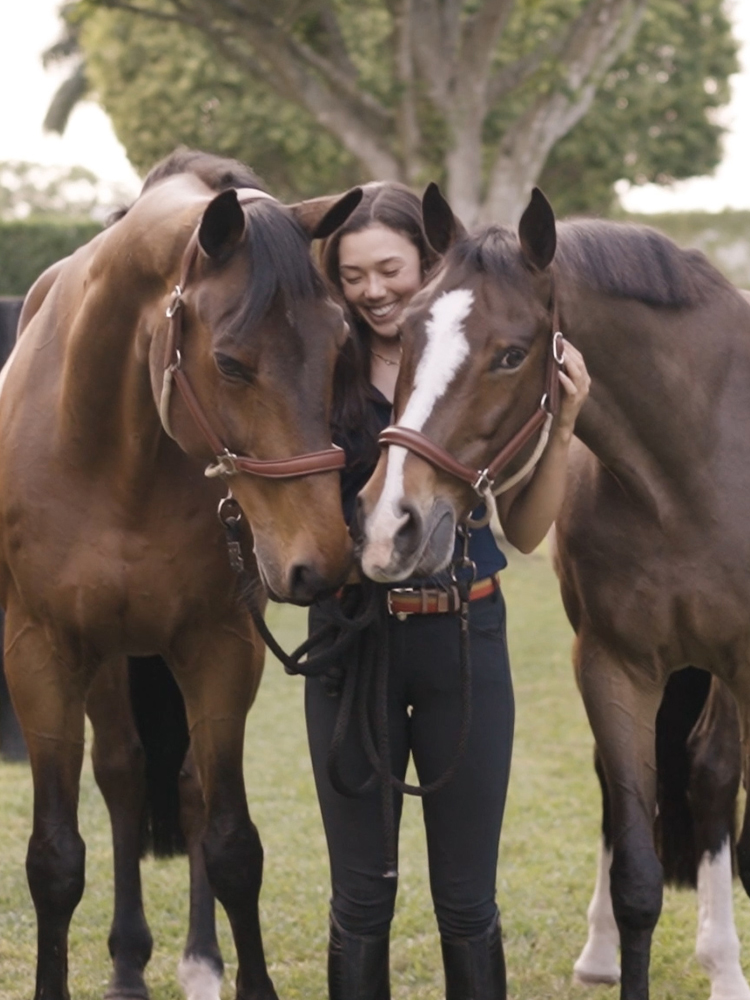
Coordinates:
x,y
227,463
482,480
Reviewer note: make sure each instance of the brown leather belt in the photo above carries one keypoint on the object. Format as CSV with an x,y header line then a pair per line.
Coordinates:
x,y
405,601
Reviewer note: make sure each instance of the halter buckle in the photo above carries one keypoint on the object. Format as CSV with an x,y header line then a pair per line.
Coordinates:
x,y
482,483
225,465
175,302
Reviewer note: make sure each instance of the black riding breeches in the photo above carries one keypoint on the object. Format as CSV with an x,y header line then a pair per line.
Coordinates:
x,y
463,819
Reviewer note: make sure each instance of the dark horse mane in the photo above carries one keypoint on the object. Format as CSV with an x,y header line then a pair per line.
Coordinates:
x,y
619,259
277,247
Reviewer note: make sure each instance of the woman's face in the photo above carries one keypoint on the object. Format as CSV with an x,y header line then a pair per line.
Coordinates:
x,y
380,271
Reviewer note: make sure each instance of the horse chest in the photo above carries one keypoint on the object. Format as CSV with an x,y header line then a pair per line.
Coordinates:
x,y
123,590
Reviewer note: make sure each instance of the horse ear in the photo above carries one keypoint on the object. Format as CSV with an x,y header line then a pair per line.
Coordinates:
x,y
222,225
536,231
442,227
320,217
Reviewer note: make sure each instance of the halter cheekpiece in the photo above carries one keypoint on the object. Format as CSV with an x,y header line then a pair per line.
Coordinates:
x,y
227,462
483,481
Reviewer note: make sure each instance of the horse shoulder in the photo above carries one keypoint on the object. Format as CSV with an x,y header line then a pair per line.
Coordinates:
x,y
38,293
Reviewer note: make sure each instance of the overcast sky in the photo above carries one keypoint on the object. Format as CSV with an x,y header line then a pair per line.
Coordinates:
x,y
27,27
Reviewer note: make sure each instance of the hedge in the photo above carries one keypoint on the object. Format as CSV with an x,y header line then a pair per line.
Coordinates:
x,y
28,248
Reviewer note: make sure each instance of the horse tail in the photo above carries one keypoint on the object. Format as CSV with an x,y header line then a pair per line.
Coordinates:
x,y
674,830
159,712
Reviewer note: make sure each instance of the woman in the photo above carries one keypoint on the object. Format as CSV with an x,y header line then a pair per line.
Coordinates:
x,y
378,259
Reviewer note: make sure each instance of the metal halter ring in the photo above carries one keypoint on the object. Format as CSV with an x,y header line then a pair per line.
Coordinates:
x,y
557,340
482,483
175,302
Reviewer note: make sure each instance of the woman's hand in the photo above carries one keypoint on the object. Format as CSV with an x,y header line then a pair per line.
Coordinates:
x,y
528,510
575,381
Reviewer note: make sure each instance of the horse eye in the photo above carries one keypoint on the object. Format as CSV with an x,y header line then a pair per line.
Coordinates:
x,y
508,359
232,369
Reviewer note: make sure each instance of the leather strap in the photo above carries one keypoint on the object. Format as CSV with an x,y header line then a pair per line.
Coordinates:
x,y
433,601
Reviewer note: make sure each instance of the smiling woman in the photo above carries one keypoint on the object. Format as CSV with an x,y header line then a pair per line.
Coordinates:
x,y
379,259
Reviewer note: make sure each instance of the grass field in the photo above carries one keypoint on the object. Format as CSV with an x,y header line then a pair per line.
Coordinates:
x,y
547,857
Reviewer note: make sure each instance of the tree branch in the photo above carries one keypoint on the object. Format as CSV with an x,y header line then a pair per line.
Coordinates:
x,y
480,36
593,42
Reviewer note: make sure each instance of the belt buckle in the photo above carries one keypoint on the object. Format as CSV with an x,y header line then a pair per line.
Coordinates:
x,y
401,615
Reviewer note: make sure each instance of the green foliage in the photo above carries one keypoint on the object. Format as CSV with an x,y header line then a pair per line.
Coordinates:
x,y
654,119
547,856
163,86
28,248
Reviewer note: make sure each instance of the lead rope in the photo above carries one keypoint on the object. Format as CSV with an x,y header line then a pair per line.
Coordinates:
x,y
364,621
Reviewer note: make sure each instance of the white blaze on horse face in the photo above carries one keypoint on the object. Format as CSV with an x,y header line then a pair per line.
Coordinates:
x,y
598,962
717,945
445,351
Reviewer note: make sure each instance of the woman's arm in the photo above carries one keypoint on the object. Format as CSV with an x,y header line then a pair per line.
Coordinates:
x,y
527,511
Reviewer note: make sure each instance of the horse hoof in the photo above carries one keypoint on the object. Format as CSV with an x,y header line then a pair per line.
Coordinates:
x,y
581,977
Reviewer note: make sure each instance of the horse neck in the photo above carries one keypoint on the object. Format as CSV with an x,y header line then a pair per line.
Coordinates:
x,y
661,401
108,416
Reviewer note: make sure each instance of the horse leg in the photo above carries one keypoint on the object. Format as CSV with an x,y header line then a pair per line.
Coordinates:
x,y
48,688
12,746
599,960
119,769
622,703
201,966
714,747
217,704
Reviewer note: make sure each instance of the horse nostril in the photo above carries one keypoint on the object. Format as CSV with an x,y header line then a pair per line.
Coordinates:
x,y
409,533
305,584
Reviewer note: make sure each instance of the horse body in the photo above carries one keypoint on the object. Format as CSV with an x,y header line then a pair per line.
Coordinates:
x,y
652,555
653,546
109,539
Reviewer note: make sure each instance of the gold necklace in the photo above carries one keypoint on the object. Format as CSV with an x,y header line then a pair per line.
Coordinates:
x,y
387,361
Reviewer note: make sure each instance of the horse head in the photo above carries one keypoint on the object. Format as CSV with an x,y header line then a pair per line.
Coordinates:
x,y
477,352
242,372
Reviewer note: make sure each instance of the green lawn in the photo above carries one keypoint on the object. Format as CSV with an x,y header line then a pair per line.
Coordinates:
x,y
547,858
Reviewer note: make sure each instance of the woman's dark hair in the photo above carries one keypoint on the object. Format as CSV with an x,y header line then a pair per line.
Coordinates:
x,y
392,205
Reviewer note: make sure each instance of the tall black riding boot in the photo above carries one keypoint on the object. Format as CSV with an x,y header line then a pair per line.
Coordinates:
x,y
475,966
357,966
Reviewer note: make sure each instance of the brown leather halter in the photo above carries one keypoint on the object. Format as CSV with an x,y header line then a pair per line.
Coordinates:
x,y
482,480
227,462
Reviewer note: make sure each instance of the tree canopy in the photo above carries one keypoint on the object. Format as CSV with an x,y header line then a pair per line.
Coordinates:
x,y
486,96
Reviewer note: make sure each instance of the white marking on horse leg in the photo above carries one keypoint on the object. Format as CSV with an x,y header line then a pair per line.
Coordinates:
x,y
444,353
199,979
598,962
717,945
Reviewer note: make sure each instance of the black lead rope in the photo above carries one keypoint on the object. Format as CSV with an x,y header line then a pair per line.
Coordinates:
x,y
360,616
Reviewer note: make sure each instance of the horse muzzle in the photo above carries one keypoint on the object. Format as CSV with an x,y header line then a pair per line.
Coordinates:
x,y
397,544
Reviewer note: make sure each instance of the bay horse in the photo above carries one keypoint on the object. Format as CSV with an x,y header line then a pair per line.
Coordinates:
x,y
193,334
653,544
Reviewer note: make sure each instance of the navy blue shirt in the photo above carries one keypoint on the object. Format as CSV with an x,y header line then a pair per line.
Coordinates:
x,y
483,550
